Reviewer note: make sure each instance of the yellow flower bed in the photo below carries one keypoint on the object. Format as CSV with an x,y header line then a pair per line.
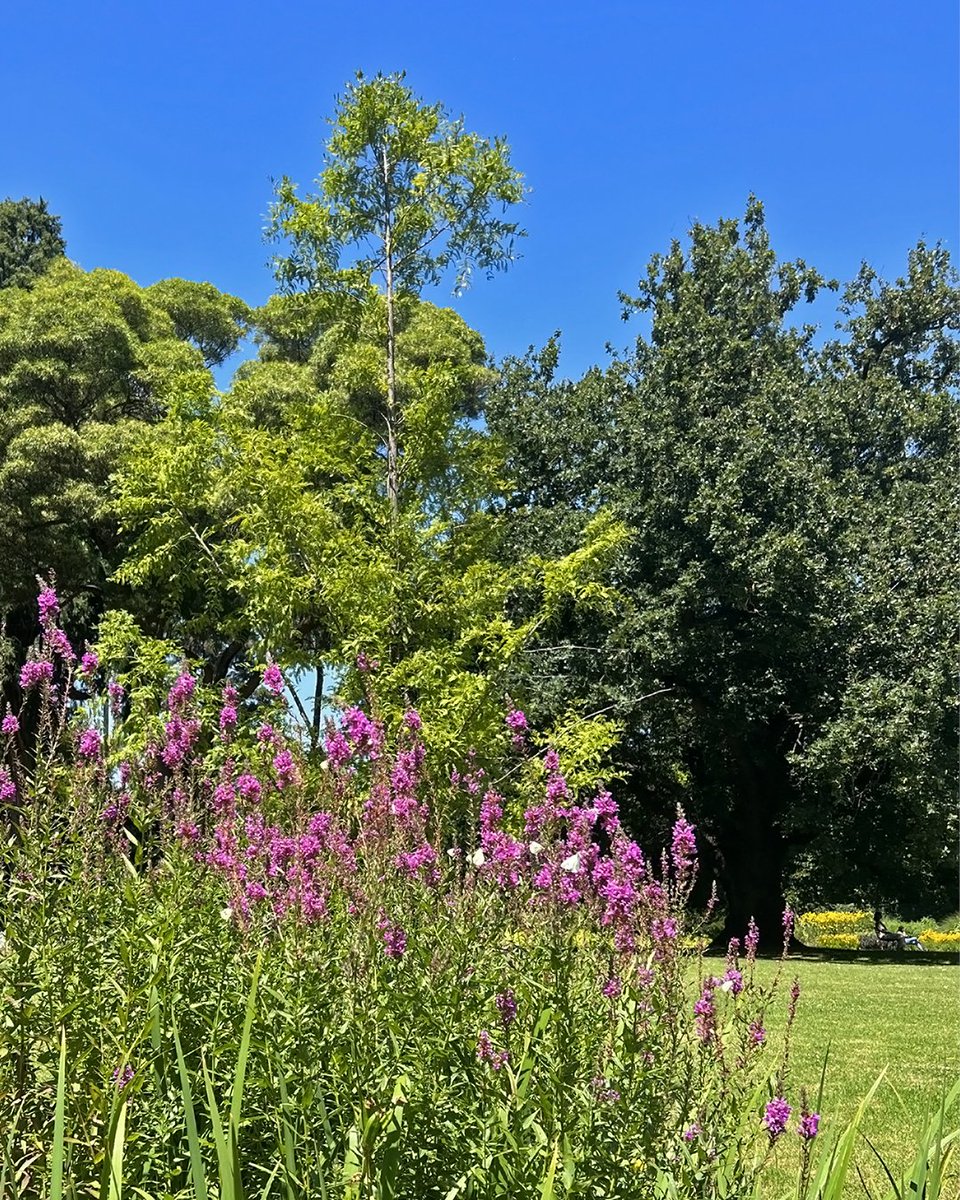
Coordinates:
x,y
814,927
839,941
933,939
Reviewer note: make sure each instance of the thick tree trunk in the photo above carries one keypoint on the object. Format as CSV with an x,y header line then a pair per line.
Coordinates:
x,y
750,842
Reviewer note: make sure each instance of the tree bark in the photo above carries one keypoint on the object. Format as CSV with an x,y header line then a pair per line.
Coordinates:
x,y
750,841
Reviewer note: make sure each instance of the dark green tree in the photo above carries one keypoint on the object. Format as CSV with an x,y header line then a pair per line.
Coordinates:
x,y
768,486
30,240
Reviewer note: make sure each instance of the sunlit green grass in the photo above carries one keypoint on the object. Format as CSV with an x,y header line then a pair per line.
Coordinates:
x,y
898,1016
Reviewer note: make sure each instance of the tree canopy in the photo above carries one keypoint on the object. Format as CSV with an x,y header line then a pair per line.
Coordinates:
x,y
30,240
86,360
779,575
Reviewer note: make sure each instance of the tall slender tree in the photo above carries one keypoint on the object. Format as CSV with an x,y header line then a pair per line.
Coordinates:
x,y
406,194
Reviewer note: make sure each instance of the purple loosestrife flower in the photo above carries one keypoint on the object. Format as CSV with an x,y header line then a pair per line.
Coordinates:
x,y
413,721
604,1093
116,694
228,720
57,642
11,725
8,789
394,938
613,987
287,773
732,981
484,1047
551,762
89,664
692,1132
663,930
273,679
338,749
758,1035
683,846
394,942
517,724
557,789
787,924
48,605
90,744
775,1117
506,1003
516,721
752,940
363,734
122,1076
182,690
487,1053
809,1126
35,674
249,788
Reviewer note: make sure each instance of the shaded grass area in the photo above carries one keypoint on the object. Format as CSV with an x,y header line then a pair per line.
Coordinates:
x,y
874,1015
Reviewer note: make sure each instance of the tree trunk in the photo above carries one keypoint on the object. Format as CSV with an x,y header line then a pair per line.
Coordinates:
x,y
750,842
393,485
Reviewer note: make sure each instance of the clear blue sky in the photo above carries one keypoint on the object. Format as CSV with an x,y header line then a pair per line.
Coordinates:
x,y
154,129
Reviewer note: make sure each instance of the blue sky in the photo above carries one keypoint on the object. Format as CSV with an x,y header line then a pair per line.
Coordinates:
x,y
154,129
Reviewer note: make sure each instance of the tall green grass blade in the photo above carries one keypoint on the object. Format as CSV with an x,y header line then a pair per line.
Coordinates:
x,y
833,1168
933,1154
289,1146
224,1157
58,1149
190,1116
236,1101
116,1154
547,1190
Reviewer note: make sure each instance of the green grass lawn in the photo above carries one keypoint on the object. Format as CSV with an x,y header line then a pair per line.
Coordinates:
x,y
874,1015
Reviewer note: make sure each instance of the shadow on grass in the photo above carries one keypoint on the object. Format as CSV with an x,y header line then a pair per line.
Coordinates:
x,y
798,952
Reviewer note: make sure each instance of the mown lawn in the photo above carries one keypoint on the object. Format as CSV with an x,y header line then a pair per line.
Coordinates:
x,y
898,1016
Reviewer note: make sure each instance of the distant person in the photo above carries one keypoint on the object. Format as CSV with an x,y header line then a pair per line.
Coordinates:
x,y
908,938
887,936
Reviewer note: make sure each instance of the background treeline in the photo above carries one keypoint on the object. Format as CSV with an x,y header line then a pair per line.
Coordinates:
x,y
720,569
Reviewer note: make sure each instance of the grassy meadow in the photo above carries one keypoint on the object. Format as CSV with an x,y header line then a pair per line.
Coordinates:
x,y
897,1016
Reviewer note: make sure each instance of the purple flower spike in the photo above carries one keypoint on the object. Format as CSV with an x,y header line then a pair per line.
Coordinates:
x,y
273,679
809,1126
90,744
33,674
507,1007
683,846
49,606
775,1117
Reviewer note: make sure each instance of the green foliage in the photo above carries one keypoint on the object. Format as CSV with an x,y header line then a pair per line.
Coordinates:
x,y
404,187
30,240
779,658
211,320
86,360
